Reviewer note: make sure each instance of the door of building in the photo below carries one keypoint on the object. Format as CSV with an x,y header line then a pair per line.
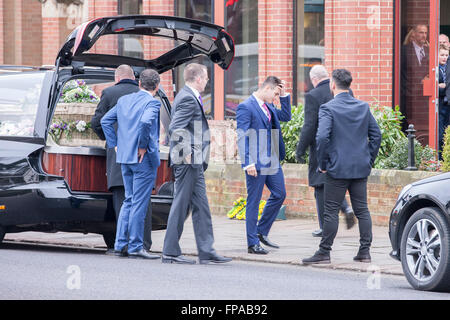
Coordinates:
x,y
416,66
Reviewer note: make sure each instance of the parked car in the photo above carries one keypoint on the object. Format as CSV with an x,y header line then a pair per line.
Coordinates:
x,y
419,230
48,187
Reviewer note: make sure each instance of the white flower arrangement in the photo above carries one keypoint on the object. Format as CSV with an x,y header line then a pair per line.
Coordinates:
x,y
81,126
78,91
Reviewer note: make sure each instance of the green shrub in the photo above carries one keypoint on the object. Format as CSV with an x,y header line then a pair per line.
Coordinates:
x,y
446,151
425,156
291,132
389,121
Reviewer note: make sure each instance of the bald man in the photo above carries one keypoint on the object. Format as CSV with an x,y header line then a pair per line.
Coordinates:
x,y
125,83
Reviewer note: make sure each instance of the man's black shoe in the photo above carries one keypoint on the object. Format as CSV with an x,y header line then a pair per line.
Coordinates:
x,y
142,254
117,253
362,257
317,233
317,258
349,219
265,240
257,249
215,259
178,259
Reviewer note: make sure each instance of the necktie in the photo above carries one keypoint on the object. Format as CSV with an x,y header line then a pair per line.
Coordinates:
x,y
200,99
267,111
422,55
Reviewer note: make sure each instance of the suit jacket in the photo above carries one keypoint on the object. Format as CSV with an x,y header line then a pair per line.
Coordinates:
x,y
189,131
137,116
412,74
313,100
108,100
348,138
442,91
257,137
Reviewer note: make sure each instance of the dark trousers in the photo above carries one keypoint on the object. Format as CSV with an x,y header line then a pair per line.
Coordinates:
x,y
335,190
118,198
319,194
444,114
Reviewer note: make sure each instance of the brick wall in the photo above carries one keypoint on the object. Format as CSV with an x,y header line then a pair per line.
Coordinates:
x,y
275,40
359,37
226,183
154,47
32,33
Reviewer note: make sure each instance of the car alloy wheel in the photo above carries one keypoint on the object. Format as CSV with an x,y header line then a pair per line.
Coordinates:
x,y
423,250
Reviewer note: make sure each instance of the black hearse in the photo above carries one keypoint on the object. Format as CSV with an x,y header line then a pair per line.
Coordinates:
x,y
48,187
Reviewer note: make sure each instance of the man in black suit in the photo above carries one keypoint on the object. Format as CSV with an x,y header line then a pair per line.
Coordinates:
x,y
413,70
189,155
125,84
348,140
313,100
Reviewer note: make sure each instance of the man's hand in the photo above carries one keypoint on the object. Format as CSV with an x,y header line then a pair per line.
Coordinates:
x,y
282,88
323,171
442,85
141,153
115,148
301,159
251,171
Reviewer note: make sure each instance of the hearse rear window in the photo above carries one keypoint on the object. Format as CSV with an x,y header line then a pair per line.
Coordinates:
x,y
19,99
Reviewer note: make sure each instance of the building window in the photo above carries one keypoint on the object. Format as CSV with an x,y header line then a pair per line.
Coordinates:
x,y
130,45
198,10
310,42
241,79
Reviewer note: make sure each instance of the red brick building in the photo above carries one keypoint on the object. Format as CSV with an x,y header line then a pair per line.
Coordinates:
x,y
280,37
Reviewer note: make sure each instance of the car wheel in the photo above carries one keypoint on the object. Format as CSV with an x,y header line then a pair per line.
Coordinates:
x,y
109,238
425,252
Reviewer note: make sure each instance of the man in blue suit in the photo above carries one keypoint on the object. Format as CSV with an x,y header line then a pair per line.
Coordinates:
x,y
348,139
137,146
261,148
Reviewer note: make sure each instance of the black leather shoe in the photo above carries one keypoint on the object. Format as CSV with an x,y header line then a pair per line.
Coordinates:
x,y
317,258
142,254
362,257
215,259
117,253
317,233
349,219
178,259
256,249
265,240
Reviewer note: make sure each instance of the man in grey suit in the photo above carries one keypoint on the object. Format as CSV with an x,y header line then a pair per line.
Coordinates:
x,y
189,155
125,83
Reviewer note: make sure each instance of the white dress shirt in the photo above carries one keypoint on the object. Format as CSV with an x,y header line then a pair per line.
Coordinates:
x,y
418,52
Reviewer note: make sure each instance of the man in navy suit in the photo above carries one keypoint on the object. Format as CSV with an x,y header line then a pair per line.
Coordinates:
x,y
348,139
137,146
261,148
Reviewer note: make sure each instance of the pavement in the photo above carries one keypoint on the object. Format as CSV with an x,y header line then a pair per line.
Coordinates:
x,y
292,235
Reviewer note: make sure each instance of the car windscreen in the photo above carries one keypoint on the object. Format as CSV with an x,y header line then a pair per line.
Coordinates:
x,y
19,100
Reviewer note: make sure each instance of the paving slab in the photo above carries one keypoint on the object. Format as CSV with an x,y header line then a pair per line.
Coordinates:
x,y
292,235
